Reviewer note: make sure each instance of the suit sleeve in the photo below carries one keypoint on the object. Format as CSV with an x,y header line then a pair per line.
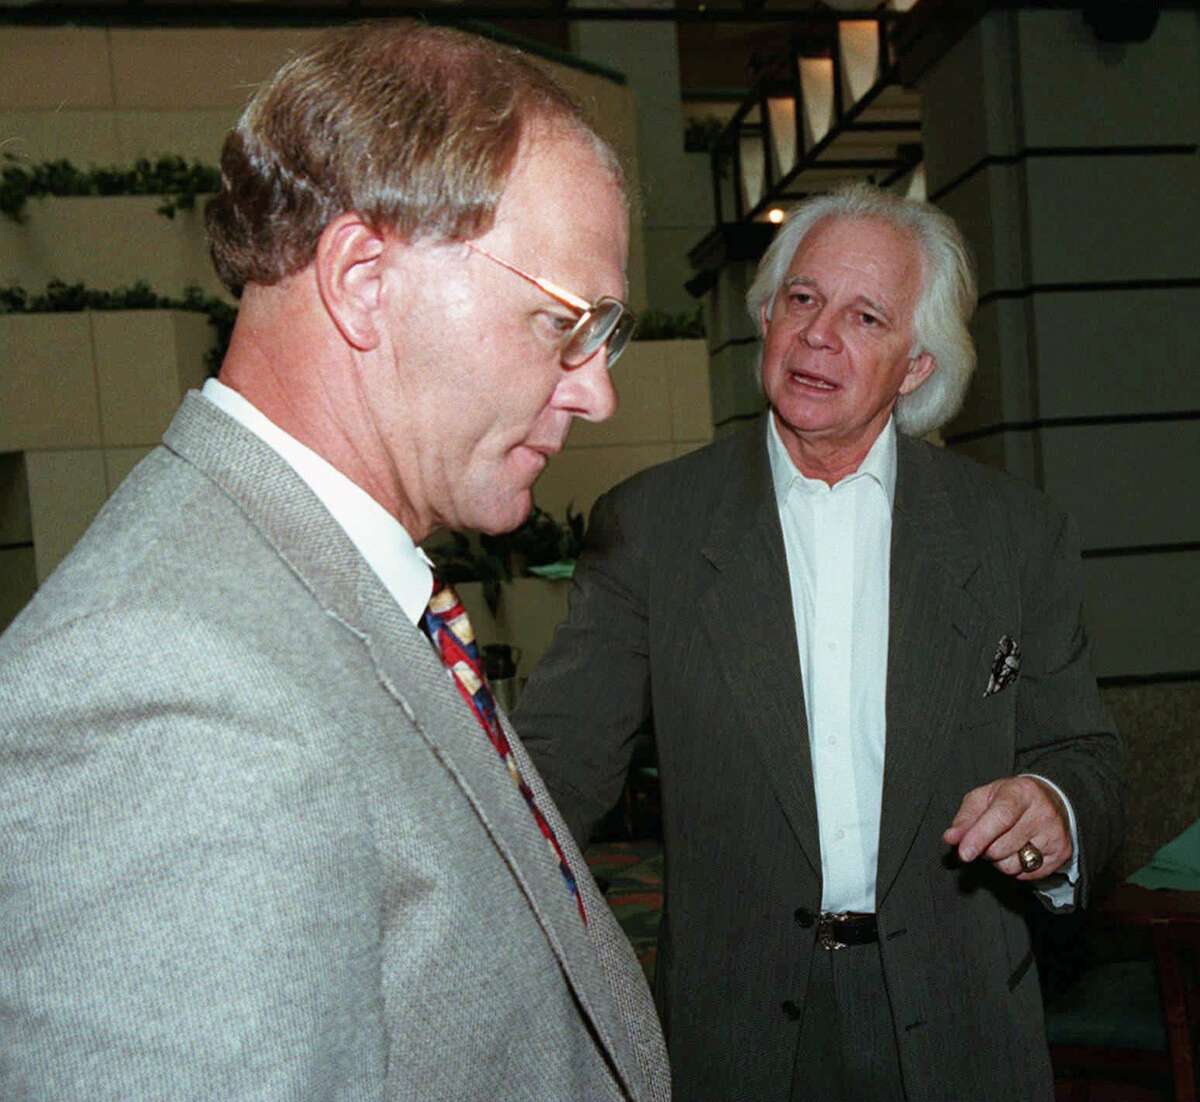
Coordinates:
x,y
590,693
1064,733
184,912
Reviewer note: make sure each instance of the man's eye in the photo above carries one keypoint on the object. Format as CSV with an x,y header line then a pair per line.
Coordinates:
x,y
800,298
869,319
556,325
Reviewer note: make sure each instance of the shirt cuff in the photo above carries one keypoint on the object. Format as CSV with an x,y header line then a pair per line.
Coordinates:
x,y
1058,891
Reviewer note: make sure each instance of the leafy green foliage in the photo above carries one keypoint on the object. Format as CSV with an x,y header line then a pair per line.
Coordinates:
x,y
60,297
177,180
659,325
541,540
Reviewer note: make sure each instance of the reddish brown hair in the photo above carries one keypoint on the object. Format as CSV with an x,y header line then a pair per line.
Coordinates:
x,y
415,128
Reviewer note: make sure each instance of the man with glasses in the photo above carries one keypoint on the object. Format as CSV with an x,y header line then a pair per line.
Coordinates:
x,y
263,831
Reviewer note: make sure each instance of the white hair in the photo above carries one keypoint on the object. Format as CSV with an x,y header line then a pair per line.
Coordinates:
x,y
944,307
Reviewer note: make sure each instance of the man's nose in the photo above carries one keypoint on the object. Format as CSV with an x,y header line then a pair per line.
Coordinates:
x,y
821,332
587,391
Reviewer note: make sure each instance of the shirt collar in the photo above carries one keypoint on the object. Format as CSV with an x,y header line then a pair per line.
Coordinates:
x,y
380,538
879,464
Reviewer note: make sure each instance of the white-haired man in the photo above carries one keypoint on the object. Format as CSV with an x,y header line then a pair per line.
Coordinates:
x,y
877,730
264,833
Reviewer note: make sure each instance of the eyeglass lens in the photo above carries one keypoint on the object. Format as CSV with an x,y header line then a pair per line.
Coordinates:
x,y
607,321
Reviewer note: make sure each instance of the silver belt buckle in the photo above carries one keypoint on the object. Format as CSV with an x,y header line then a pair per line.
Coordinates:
x,y
826,926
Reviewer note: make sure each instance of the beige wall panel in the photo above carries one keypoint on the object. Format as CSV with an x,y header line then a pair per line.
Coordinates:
x,y
118,462
85,138
192,68
735,389
1139,616
15,523
1104,352
18,581
145,360
686,364
47,382
529,611
1112,218
1126,485
580,475
54,67
644,413
196,135
107,242
684,449
66,490
1144,93
194,337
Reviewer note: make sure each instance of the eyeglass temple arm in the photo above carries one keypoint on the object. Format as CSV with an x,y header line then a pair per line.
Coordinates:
x,y
552,289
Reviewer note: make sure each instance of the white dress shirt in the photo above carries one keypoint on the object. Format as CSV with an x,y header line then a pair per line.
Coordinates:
x,y
838,545
379,537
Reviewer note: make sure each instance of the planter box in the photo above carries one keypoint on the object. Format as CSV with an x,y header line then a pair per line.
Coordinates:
x,y
96,379
107,242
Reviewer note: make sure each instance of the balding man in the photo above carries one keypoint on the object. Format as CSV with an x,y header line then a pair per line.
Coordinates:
x,y
263,832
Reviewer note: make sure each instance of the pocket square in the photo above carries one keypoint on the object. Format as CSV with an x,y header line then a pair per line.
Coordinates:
x,y
1006,664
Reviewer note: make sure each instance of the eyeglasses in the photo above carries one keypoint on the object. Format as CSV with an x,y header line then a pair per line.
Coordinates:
x,y
606,322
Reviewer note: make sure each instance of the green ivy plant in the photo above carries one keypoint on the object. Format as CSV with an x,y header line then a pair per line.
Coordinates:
x,y
60,297
492,560
661,325
177,180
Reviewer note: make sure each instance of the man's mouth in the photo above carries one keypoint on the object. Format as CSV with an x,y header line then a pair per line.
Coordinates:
x,y
812,382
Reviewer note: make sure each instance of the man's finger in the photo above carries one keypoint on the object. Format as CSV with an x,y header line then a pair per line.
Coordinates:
x,y
974,804
1002,813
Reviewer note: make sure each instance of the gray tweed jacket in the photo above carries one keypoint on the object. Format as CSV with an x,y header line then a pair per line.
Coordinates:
x,y
252,845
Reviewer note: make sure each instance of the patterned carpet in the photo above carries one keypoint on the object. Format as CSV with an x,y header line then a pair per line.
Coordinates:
x,y
634,872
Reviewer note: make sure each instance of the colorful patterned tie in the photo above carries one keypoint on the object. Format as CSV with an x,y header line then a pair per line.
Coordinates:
x,y
446,623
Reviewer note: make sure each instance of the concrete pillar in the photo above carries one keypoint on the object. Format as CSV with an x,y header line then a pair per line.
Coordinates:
x,y
1072,166
675,198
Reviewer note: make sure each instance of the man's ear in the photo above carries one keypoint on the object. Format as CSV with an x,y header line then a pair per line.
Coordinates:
x,y
919,369
349,270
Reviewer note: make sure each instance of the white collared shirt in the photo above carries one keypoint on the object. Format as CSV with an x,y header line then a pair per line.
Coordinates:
x,y
838,545
379,537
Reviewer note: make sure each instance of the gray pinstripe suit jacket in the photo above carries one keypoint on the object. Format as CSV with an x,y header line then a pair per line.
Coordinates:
x,y
252,846
680,608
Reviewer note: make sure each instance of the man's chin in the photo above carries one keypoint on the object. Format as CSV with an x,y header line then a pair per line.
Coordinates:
x,y
499,522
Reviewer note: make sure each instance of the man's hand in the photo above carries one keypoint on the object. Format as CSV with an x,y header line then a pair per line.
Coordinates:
x,y
996,820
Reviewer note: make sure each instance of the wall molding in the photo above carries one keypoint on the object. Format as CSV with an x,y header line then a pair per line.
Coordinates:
x,y
1037,152
1172,677
1088,421
1184,283
1140,549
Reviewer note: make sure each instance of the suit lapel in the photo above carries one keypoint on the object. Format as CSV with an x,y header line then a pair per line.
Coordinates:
x,y
297,525
414,675
933,617
747,613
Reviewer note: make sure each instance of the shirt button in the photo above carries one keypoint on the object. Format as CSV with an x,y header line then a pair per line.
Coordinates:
x,y
831,647
832,740
840,835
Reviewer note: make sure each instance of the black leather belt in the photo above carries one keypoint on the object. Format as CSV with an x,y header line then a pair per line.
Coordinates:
x,y
841,929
